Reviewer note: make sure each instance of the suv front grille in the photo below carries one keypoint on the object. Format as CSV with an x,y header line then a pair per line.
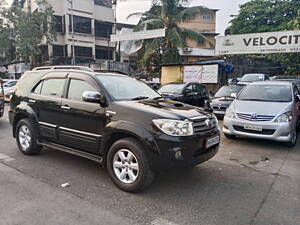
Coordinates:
x,y
252,117
264,131
203,124
222,108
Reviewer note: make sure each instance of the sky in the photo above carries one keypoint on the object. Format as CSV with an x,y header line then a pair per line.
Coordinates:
x,y
226,7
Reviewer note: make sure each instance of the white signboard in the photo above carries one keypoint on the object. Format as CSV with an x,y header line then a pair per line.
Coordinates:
x,y
129,36
260,43
205,74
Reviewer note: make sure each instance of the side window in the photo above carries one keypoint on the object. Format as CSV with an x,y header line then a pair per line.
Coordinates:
x,y
53,87
76,89
199,88
189,88
296,91
37,89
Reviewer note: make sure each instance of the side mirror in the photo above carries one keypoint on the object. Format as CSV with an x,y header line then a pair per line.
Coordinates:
x,y
93,97
233,95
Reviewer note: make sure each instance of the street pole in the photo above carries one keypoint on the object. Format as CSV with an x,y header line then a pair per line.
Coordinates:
x,y
72,27
115,28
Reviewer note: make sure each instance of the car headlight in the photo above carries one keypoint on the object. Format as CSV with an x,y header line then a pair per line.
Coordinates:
x,y
175,127
229,113
284,118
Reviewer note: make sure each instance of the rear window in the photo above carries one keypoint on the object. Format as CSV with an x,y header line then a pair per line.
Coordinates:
x,y
27,81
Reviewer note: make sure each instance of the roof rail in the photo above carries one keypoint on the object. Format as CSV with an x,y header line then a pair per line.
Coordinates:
x,y
83,68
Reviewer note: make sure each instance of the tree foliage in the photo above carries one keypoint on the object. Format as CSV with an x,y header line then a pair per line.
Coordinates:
x,y
270,15
25,29
168,14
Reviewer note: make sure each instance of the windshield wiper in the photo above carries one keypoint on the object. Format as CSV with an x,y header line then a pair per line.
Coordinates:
x,y
140,98
250,99
157,98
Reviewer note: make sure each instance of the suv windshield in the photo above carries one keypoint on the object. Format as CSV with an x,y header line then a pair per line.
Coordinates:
x,y
123,88
226,91
267,93
172,88
252,77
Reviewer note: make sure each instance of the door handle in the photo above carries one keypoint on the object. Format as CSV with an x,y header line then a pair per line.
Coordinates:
x,y
65,107
32,101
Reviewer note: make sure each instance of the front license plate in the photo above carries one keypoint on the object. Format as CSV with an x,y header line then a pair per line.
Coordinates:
x,y
212,141
253,127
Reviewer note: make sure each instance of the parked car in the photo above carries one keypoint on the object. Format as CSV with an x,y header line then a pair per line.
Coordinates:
x,y
253,77
189,93
268,110
154,85
223,98
112,119
1,98
9,88
294,81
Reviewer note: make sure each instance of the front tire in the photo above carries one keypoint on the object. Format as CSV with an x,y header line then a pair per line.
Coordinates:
x,y
26,136
293,140
128,165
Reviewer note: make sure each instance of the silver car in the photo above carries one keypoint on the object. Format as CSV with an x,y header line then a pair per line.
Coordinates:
x,y
267,110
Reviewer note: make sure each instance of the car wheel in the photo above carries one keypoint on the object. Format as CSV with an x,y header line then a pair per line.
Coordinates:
x,y
26,135
291,143
229,136
128,165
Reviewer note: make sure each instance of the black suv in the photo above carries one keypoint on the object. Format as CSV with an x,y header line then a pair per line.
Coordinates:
x,y
113,119
1,98
189,93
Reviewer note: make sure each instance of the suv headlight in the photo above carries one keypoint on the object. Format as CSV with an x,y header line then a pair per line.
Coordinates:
x,y
284,118
229,113
175,127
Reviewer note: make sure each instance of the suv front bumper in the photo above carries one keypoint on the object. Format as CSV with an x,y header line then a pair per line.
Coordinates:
x,y
270,130
192,150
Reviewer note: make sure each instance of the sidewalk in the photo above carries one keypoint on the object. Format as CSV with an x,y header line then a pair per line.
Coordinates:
x,y
27,201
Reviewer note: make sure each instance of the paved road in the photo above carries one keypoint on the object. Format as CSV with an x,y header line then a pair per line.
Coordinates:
x,y
250,182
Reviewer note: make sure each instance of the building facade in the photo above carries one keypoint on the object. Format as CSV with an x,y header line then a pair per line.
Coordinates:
x,y
93,24
205,24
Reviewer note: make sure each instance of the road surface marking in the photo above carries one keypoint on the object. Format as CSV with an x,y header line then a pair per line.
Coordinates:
x,y
161,221
6,158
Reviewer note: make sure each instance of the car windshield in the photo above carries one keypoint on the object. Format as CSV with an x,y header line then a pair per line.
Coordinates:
x,y
252,77
123,88
172,88
267,93
226,91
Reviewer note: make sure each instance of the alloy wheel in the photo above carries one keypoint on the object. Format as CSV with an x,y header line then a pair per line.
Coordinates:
x,y
126,166
24,137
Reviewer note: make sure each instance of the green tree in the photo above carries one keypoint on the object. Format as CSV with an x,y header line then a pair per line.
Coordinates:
x,y
266,16
168,14
27,29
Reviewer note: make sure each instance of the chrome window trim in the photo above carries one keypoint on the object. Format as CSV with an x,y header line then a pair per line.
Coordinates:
x,y
80,132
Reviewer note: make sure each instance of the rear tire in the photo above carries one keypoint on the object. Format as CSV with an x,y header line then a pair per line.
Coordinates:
x,y
26,136
128,165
